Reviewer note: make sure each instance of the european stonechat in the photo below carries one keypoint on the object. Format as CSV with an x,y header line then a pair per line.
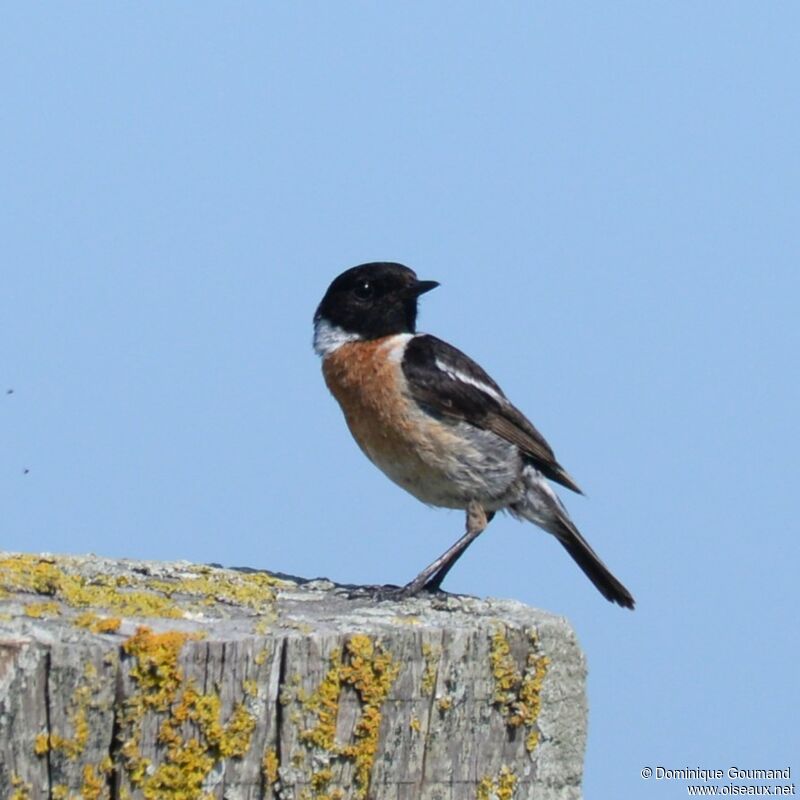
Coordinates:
x,y
435,422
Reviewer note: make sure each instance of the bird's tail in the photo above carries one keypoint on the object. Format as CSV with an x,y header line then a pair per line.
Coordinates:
x,y
541,506
594,569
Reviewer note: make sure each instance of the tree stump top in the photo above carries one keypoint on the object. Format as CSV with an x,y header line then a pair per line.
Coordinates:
x,y
131,679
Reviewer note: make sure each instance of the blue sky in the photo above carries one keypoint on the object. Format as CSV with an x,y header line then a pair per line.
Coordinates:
x,y
608,194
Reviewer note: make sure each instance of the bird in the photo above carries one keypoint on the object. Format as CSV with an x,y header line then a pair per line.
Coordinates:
x,y
436,423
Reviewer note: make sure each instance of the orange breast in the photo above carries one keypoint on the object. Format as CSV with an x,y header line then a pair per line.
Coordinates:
x,y
367,380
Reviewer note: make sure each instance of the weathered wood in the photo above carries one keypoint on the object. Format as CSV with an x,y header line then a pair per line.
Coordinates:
x,y
124,679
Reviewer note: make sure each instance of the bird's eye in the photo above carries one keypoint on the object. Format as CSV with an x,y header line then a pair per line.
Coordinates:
x,y
364,290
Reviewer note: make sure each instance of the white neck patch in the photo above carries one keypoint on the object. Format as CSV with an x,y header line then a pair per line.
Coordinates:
x,y
329,338
397,346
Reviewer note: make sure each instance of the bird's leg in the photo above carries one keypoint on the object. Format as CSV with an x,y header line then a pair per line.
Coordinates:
x,y
430,579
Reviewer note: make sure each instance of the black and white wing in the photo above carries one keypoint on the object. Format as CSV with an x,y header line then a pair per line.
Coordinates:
x,y
444,380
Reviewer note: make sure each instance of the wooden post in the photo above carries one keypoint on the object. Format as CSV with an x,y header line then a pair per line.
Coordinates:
x,y
125,679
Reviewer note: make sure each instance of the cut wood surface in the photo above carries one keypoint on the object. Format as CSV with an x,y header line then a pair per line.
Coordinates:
x,y
127,679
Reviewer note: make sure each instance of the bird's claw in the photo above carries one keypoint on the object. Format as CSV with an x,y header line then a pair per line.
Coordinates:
x,y
390,592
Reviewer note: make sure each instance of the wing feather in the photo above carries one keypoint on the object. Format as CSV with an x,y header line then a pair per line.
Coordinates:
x,y
446,381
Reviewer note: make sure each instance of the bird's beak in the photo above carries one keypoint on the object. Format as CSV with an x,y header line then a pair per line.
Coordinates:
x,y
420,287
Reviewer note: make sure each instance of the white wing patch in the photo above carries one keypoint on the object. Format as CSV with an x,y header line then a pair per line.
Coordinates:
x,y
460,376
329,338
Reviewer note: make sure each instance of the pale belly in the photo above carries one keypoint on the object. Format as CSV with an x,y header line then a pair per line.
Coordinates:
x,y
453,466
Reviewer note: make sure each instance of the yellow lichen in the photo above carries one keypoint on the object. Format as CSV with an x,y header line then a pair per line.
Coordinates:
x,y
22,790
181,775
292,689
517,693
111,659
265,622
41,744
407,619
38,610
161,689
71,746
95,786
321,778
415,724
156,669
226,741
500,788
29,574
444,703
43,576
159,678
136,595
431,656
324,703
253,590
370,671
270,766
97,624
321,792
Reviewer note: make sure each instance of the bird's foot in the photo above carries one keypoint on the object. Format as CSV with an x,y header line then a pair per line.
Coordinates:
x,y
431,586
372,592
390,592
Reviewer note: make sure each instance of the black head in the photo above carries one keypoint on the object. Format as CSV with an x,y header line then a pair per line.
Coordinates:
x,y
373,300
